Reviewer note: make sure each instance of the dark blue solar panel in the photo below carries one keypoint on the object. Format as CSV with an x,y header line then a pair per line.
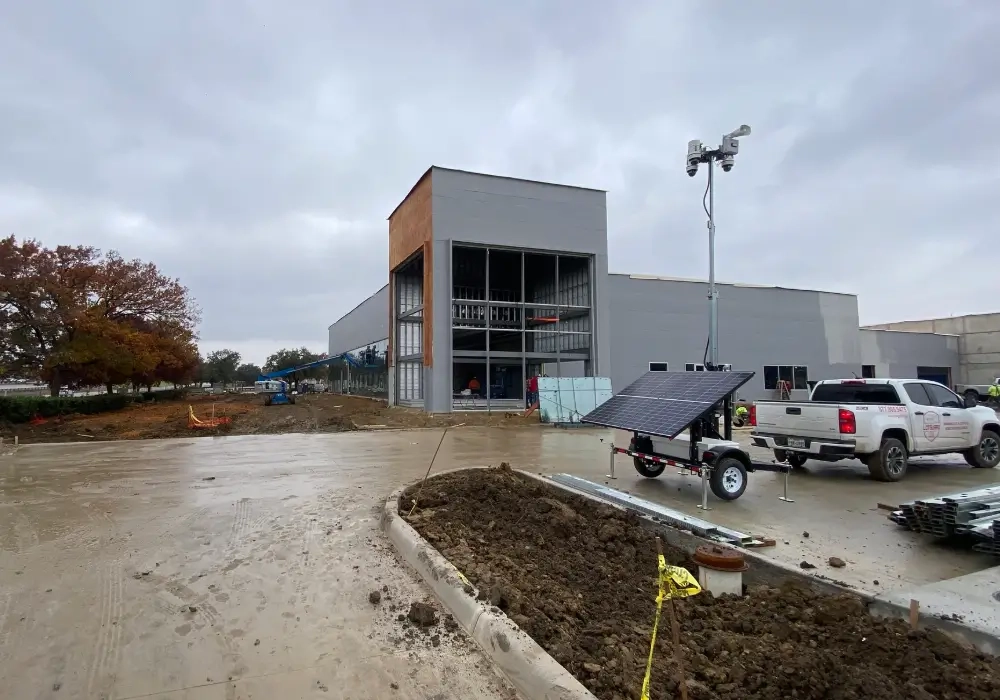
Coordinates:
x,y
665,403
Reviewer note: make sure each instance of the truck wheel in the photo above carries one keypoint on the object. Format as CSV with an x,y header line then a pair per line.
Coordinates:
x,y
291,400
796,460
267,400
972,394
986,454
890,462
729,479
780,455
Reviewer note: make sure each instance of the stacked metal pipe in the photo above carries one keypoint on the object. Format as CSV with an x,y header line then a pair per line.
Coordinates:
x,y
975,513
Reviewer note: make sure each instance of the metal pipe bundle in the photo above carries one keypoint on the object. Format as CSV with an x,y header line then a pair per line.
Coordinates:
x,y
975,513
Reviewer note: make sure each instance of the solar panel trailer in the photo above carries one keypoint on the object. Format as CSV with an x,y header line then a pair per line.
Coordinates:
x,y
673,418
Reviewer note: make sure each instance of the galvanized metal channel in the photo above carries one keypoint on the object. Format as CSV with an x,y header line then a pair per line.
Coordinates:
x,y
700,527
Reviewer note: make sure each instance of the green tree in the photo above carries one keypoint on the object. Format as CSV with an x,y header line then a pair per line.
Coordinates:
x,y
247,373
220,366
287,358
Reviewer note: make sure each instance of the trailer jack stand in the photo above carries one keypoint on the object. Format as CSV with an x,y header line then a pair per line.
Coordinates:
x,y
611,465
704,488
785,497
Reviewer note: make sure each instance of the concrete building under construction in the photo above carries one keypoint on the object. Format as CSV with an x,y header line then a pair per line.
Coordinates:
x,y
492,280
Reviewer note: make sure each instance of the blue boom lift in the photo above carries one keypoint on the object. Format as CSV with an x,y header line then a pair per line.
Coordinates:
x,y
275,388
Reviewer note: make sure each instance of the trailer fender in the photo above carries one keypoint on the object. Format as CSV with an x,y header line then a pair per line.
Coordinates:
x,y
735,453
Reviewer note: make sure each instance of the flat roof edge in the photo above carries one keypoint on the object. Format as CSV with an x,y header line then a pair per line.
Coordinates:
x,y
746,285
358,306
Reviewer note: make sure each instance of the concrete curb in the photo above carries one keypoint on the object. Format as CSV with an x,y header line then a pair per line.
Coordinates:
x,y
534,673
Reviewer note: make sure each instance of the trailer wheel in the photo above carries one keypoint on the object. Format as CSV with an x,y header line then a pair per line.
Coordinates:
x,y
890,462
650,470
729,479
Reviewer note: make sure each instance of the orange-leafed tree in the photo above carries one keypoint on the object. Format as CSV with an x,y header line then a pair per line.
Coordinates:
x,y
70,314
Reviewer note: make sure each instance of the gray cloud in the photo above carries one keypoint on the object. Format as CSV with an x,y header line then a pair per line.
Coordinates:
x,y
254,150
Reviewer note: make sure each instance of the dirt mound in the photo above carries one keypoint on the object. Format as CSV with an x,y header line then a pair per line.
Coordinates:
x,y
323,413
580,578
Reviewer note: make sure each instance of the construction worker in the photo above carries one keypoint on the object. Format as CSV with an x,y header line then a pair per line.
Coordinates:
x,y
994,392
474,386
532,390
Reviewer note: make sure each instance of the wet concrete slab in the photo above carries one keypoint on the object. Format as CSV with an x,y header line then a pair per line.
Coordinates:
x,y
204,568
152,568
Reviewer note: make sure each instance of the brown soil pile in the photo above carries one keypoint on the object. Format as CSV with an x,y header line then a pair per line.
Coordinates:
x,y
580,578
311,413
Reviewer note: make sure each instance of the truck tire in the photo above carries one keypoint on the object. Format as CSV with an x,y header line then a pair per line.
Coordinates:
x,y
729,479
267,400
796,460
971,394
650,470
986,454
890,462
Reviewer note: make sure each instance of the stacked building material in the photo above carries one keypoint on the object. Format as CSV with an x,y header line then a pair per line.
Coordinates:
x,y
975,513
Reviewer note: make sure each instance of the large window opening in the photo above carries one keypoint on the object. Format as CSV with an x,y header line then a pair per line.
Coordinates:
x,y
517,314
408,350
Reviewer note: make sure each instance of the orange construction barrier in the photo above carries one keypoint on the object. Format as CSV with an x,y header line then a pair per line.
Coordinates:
x,y
195,423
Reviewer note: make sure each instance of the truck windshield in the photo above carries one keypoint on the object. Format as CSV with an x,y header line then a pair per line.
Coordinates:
x,y
855,393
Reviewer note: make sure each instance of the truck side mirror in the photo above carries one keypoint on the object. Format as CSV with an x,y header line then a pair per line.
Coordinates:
x,y
970,401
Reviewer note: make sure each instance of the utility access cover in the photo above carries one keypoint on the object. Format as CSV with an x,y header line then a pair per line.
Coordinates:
x,y
665,403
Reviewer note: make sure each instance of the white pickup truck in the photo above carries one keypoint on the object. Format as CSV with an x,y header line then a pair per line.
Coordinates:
x,y
879,421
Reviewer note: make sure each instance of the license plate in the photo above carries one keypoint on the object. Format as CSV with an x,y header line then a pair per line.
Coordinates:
x,y
796,442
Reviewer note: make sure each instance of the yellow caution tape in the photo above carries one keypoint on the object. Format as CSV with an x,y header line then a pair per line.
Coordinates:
x,y
675,582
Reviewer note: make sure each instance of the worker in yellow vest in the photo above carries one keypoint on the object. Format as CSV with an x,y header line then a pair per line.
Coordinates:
x,y
994,392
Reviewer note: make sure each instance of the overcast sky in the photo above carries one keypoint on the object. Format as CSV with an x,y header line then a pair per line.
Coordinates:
x,y
255,148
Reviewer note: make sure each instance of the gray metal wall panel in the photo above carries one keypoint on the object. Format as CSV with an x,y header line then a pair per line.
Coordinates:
x,y
481,209
667,321
367,323
897,354
438,378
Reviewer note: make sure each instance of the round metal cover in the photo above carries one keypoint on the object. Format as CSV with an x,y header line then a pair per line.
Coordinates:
x,y
996,596
712,556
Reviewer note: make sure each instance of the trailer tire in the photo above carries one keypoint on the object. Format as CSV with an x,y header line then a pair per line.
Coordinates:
x,y
729,479
650,470
890,462
986,454
795,460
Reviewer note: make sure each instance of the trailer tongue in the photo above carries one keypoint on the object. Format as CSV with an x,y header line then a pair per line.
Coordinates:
x,y
674,419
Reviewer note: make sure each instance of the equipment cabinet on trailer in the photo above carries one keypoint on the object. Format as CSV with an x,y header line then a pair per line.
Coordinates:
x,y
659,406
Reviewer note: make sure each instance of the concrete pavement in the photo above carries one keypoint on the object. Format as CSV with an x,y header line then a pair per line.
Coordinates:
x,y
152,568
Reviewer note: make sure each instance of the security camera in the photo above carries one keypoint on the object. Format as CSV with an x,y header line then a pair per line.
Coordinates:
x,y
693,157
727,163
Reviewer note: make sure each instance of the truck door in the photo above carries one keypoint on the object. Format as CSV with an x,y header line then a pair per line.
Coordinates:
x,y
925,418
956,424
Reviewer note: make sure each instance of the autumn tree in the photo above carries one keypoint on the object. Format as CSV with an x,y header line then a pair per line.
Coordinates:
x,y
70,314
